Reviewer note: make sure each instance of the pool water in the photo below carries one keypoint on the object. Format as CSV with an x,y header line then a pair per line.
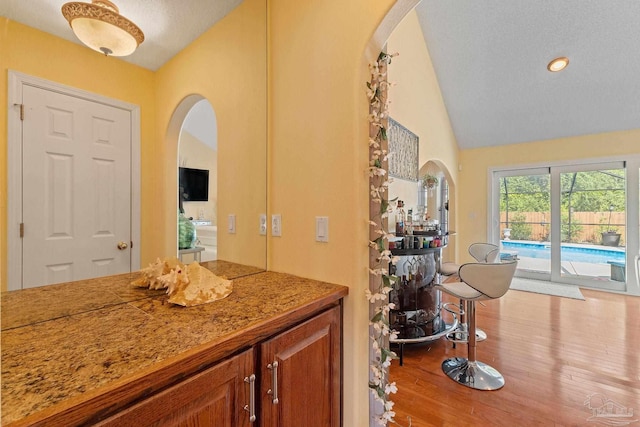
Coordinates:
x,y
570,252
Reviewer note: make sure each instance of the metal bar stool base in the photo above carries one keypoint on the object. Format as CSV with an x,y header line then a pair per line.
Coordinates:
x,y
476,375
460,336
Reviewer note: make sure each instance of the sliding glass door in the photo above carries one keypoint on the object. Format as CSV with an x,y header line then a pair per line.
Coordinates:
x,y
524,223
564,223
593,225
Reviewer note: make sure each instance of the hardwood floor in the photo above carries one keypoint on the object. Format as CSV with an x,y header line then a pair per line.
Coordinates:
x,y
553,352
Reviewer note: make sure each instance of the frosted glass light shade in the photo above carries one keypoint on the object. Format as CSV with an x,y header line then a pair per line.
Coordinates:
x,y
99,26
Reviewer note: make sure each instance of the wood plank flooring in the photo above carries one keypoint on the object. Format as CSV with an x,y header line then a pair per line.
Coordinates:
x,y
554,354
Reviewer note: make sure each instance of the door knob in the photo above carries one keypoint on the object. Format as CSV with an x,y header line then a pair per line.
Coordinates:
x,y
122,246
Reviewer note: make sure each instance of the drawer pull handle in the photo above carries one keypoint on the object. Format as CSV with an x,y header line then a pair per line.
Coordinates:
x,y
274,379
251,407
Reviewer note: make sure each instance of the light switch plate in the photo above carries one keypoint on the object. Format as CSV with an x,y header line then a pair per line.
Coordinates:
x,y
263,224
322,229
276,225
231,224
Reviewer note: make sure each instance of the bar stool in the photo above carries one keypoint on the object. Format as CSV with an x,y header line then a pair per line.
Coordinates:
x,y
478,281
488,253
481,252
484,252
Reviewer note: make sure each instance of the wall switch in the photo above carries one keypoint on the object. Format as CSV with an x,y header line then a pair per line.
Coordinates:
x,y
276,225
322,229
231,224
263,224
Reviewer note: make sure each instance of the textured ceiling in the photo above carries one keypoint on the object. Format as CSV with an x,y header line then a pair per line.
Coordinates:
x,y
168,25
490,58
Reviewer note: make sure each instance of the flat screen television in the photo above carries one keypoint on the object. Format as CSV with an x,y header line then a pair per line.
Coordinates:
x,y
194,184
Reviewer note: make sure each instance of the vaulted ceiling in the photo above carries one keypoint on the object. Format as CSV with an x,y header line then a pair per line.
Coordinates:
x,y
491,56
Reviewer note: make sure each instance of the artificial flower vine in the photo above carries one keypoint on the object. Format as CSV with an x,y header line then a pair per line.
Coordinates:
x,y
382,282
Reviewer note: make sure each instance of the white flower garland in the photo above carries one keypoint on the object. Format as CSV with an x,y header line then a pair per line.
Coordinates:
x,y
380,329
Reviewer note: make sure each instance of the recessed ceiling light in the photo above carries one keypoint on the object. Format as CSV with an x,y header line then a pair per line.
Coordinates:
x,y
558,64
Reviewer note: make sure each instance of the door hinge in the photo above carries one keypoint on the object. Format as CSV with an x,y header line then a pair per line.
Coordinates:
x,y
21,230
22,112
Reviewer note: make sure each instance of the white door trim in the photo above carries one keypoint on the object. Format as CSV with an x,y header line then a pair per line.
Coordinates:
x,y
14,167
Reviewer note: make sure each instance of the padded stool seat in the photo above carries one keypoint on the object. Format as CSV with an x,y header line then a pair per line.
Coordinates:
x,y
478,281
449,268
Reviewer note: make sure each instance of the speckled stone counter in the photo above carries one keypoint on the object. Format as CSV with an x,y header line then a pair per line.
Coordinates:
x,y
66,345
230,270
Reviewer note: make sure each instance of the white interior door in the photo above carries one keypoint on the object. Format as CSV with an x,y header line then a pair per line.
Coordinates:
x,y
76,170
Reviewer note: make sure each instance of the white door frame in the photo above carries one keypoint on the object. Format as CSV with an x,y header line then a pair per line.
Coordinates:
x,y
14,167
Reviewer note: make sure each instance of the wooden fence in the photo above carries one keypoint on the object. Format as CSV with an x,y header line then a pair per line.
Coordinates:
x,y
586,227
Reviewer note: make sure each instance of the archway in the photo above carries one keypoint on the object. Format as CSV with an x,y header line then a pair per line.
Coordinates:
x,y
193,129
198,176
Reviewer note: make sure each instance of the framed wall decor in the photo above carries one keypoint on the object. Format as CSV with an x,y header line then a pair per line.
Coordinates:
x,y
403,147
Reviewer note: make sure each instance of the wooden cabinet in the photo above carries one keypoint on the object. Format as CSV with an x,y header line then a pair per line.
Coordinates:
x,y
301,374
299,379
214,397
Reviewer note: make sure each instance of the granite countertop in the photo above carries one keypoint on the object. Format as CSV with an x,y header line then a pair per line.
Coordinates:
x,y
73,342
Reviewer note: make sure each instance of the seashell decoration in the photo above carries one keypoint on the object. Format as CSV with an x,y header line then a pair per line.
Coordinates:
x,y
151,275
186,285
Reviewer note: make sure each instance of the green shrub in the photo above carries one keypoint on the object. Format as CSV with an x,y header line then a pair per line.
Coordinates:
x,y
520,230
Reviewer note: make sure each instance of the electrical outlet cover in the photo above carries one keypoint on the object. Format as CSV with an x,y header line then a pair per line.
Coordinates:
x,y
263,224
231,224
276,225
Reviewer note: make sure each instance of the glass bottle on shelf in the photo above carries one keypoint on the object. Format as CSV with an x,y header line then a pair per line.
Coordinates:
x,y
401,291
393,294
400,219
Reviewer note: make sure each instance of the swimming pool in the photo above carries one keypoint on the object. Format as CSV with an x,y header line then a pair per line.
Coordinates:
x,y
570,251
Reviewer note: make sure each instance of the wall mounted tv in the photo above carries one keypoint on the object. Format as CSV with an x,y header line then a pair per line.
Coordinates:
x,y
194,184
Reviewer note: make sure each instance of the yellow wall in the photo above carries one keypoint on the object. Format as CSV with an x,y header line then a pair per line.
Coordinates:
x,y
33,52
318,159
475,164
416,103
415,99
227,66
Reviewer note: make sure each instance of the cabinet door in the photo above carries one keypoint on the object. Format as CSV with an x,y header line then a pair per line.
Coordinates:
x,y
307,378
214,397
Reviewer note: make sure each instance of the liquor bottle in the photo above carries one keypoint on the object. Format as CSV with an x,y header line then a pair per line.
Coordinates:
x,y
393,294
400,219
401,291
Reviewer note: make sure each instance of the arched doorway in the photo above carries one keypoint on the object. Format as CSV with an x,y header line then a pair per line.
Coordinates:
x,y
198,175
194,127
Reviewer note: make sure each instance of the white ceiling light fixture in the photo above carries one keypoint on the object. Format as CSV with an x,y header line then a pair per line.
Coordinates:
x,y
558,64
100,26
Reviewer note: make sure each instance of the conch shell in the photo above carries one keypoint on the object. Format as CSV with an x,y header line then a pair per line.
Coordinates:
x,y
151,275
186,285
198,286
